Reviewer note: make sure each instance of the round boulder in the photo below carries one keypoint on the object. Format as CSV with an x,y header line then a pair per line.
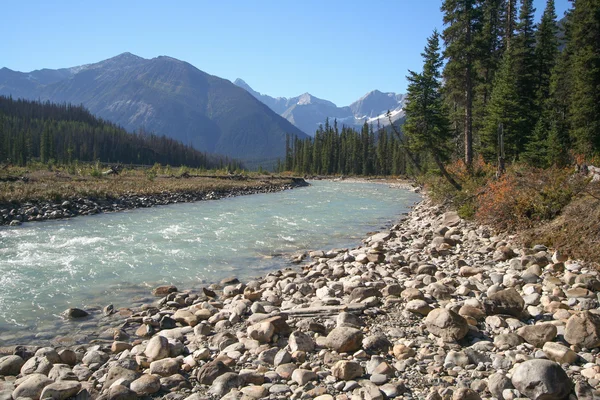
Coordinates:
x,y
542,380
446,324
344,340
583,329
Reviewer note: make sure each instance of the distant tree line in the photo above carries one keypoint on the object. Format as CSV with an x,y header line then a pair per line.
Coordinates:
x,y
345,151
63,133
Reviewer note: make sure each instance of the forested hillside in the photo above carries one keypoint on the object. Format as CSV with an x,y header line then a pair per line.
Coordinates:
x,y
507,91
166,96
31,130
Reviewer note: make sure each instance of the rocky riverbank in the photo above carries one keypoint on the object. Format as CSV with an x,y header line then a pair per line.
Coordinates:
x,y
16,214
434,308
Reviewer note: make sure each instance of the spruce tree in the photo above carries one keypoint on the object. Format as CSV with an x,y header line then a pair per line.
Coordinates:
x,y
505,110
556,115
427,125
463,22
584,110
546,53
489,43
524,57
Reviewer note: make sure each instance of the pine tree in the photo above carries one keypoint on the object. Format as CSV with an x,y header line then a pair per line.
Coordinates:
x,y
505,110
558,102
463,22
524,57
584,110
546,53
427,124
490,45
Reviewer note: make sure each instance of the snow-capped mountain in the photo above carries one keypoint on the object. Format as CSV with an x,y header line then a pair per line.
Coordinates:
x,y
307,112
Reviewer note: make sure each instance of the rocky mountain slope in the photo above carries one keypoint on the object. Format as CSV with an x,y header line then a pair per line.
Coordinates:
x,y
307,112
166,96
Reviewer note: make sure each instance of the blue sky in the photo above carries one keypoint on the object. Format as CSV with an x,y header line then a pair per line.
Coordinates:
x,y
337,50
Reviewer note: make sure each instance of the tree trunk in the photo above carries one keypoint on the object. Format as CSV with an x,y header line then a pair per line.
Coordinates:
x,y
445,173
410,155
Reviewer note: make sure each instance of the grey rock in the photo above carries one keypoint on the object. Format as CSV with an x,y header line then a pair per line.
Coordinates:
x,y
344,339
211,371
507,341
225,383
146,385
118,372
542,380
497,383
120,392
282,357
165,367
376,343
465,394
300,341
507,301
61,390
157,348
11,365
95,358
538,335
75,313
303,376
583,329
446,324
347,370
32,387
348,319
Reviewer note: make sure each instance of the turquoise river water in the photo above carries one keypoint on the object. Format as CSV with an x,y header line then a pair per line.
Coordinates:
x,y
117,258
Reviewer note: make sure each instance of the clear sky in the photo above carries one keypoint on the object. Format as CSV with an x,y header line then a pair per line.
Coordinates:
x,y
336,50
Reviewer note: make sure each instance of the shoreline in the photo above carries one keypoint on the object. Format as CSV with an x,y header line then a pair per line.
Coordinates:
x,y
434,306
47,336
45,210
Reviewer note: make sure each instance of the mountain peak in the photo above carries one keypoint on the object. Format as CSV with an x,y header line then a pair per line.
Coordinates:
x,y
126,56
241,83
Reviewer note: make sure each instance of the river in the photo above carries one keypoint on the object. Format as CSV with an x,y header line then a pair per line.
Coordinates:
x,y
89,262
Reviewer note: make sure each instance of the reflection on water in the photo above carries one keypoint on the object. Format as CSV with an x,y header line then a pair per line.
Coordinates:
x,y
116,258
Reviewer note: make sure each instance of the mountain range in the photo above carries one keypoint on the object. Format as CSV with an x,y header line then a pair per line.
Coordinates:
x,y
166,96
307,112
170,97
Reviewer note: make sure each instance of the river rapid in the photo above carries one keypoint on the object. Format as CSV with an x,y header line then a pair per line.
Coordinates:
x,y
90,262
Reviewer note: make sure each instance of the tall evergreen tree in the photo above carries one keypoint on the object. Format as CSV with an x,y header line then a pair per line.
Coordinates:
x,y
584,110
427,124
546,54
463,22
557,105
490,45
524,56
505,110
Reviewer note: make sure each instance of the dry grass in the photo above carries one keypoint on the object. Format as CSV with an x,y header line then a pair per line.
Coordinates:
x,y
576,231
64,183
553,206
